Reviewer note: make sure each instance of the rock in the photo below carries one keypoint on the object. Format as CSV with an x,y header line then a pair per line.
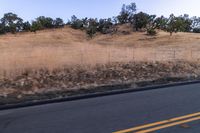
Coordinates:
x,y
19,96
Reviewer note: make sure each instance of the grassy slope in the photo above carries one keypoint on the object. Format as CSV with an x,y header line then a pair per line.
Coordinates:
x,y
59,52
56,48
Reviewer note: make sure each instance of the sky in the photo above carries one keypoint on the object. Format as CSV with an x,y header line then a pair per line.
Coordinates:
x,y
31,9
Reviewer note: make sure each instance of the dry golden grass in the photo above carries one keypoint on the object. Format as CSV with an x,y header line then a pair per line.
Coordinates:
x,y
62,47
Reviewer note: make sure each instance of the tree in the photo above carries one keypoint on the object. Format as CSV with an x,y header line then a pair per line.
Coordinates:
x,y
161,23
104,25
151,25
2,29
172,24
195,22
114,20
127,13
58,23
84,22
140,20
179,24
123,17
12,23
26,26
196,30
45,22
185,23
92,27
76,23
18,25
35,26
131,9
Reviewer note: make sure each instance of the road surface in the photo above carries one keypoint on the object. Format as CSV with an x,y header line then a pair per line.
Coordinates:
x,y
166,110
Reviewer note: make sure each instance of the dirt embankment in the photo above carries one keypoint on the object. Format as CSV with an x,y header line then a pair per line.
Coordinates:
x,y
36,83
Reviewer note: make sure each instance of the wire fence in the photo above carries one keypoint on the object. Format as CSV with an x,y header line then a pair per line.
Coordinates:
x,y
109,55
91,55
138,54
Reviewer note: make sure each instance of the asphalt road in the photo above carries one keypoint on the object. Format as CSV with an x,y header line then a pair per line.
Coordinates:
x,y
114,113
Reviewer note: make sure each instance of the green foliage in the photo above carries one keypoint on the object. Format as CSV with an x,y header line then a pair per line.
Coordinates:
x,y
185,23
92,27
35,26
76,23
58,23
195,22
127,13
123,17
2,29
196,30
104,25
179,24
45,22
84,22
140,20
151,32
172,24
26,26
12,23
161,22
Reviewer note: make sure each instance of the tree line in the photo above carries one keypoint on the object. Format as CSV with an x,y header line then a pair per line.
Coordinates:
x,y
13,24
140,21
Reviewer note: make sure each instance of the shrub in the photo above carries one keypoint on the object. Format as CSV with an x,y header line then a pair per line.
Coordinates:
x,y
58,23
35,26
92,27
45,22
151,32
26,26
196,30
76,23
91,31
105,25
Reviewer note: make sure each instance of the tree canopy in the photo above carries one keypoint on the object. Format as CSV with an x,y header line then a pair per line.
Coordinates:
x,y
140,21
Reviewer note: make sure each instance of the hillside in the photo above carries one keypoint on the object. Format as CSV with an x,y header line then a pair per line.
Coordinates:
x,y
68,35
62,62
60,47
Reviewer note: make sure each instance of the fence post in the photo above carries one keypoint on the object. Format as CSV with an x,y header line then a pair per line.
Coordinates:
x,y
191,54
174,54
133,54
108,50
155,55
82,56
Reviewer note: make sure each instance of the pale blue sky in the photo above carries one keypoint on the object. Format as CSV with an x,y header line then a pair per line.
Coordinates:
x,y
30,9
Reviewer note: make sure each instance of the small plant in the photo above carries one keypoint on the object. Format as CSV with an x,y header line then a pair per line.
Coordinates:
x,y
151,32
91,31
